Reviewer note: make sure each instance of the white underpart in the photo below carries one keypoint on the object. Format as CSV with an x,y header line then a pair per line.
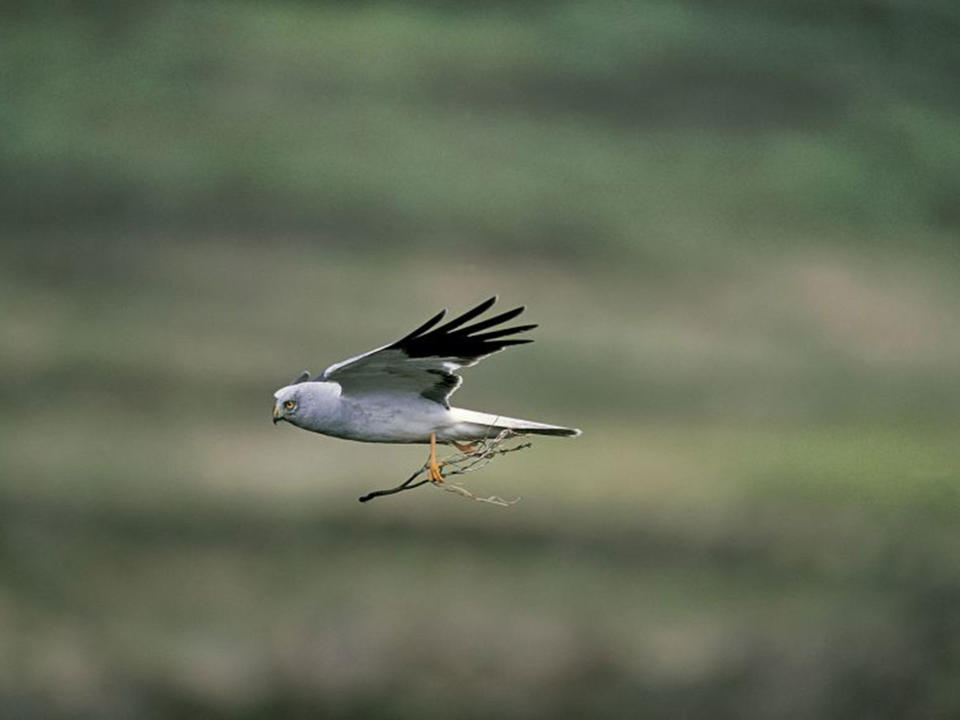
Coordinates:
x,y
390,418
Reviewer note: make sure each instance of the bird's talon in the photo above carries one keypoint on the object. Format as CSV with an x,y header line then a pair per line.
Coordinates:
x,y
434,464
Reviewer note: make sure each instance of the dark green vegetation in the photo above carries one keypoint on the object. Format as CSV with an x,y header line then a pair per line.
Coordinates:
x,y
736,228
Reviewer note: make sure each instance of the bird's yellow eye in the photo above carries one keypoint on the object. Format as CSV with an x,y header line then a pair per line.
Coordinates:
x,y
289,405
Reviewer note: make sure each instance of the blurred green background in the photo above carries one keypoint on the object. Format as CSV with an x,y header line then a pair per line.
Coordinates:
x,y
737,225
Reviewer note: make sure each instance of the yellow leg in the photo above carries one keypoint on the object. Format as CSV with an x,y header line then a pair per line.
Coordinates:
x,y
466,448
433,465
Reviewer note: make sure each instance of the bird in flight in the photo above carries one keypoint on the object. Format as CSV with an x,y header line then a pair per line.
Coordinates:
x,y
400,393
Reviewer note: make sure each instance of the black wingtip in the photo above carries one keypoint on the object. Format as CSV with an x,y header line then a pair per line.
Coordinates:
x,y
490,322
458,338
423,328
506,343
468,315
504,332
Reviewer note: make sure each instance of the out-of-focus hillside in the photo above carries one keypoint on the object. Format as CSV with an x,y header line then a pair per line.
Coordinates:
x,y
736,227
650,127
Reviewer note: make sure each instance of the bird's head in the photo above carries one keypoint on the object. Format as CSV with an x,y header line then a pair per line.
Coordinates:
x,y
286,403
306,403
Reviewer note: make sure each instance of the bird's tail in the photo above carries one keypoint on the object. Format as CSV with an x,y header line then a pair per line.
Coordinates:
x,y
480,425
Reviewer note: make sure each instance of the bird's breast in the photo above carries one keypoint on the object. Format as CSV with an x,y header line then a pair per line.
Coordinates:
x,y
383,419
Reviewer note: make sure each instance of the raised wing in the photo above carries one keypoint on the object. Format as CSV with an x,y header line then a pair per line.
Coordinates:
x,y
424,361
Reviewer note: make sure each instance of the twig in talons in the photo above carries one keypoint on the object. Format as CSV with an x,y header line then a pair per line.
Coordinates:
x,y
463,492
405,485
459,464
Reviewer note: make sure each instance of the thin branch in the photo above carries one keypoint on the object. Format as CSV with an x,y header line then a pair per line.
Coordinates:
x,y
463,492
405,485
459,464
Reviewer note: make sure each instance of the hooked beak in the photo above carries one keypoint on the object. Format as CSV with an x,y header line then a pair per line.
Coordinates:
x,y
277,417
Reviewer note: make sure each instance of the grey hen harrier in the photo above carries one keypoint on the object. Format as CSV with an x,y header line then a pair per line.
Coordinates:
x,y
400,393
